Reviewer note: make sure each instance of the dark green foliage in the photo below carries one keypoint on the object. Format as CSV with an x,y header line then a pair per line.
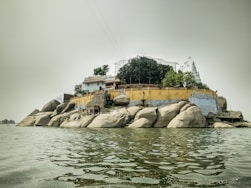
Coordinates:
x,y
101,70
173,79
189,80
142,70
6,121
180,79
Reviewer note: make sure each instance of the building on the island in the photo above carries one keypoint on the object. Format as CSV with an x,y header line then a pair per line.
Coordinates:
x,y
109,87
195,73
99,82
93,83
189,66
111,82
67,97
151,96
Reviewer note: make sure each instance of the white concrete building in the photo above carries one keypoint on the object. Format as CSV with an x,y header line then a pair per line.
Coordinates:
x,y
95,83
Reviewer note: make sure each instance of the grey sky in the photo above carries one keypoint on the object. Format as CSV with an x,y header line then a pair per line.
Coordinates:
x,y
46,47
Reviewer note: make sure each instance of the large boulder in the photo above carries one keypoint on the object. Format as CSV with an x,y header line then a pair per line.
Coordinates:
x,y
132,110
42,118
186,106
50,106
86,120
149,113
125,112
141,123
222,103
167,113
121,100
61,107
27,121
189,118
69,107
57,120
222,125
109,120
77,120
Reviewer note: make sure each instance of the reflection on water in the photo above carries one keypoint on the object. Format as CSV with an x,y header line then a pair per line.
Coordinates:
x,y
125,157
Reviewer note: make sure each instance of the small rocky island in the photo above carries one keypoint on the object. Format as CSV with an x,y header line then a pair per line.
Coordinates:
x,y
182,114
145,93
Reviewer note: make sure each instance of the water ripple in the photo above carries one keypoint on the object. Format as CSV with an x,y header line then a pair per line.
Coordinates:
x,y
38,157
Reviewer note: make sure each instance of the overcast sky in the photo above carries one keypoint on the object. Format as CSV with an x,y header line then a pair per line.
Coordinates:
x,y
48,46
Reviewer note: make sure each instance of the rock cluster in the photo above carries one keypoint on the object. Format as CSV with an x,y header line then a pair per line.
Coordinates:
x,y
179,115
54,114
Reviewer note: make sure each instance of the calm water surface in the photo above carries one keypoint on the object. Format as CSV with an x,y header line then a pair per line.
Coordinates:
x,y
56,157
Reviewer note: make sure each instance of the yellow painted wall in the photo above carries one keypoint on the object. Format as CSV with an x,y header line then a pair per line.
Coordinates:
x,y
82,100
149,94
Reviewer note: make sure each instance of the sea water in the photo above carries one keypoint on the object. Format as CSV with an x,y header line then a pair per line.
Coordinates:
x,y
124,157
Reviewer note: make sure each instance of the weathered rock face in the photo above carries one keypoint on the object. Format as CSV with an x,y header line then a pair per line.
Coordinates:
x,y
76,120
186,106
109,120
148,113
189,118
222,104
69,107
50,106
86,120
121,100
167,113
222,125
42,118
132,110
141,123
53,114
61,107
125,112
57,120
181,114
28,121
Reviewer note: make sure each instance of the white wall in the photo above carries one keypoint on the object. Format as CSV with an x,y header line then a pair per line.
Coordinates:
x,y
92,86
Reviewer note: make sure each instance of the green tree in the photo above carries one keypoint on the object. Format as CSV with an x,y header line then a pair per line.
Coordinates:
x,y
189,80
173,79
180,79
101,70
142,70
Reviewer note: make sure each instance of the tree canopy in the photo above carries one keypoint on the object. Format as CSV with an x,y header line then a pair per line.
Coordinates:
x,y
173,79
180,79
101,70
143,70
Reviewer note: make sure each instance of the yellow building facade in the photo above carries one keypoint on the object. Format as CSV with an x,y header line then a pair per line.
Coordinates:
x,y
204,98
